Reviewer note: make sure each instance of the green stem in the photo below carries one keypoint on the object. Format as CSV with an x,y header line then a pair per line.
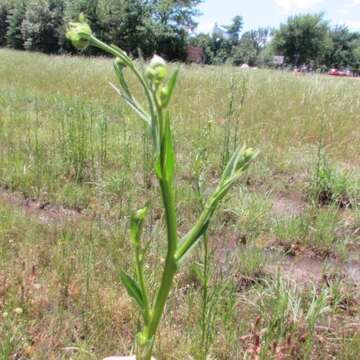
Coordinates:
x,y
170,262
140,277
99,44
204,335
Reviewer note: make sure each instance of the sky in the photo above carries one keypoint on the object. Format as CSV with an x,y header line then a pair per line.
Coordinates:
x,y
262,13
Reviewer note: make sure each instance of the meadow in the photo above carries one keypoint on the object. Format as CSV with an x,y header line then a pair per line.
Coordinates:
x,y
284,254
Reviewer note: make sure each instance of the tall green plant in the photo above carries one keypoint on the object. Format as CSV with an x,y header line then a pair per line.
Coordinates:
x,y
158,88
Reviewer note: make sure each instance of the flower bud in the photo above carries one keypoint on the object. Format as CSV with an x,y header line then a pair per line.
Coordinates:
x,y
79,33
249,153
137,221
164,94
120,63
141,214
157,61
160,73
150,73
157,69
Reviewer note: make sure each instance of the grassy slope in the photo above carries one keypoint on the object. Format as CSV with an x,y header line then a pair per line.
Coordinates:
x,y
67,139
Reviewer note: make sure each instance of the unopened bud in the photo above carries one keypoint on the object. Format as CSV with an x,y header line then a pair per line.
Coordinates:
x,y
150,73
157,61
119,63
157,69
249,153
164,94
79,33
141,213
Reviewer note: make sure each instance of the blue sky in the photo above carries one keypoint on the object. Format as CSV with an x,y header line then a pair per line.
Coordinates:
x,y
258,13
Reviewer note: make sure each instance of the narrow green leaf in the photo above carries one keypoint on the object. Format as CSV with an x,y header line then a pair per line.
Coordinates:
x,y
238,162
197,270
170,86
134,105
187,245
158,170
229,166
169,160
132,288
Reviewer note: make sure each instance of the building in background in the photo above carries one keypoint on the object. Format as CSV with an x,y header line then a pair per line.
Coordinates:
x,y
195,54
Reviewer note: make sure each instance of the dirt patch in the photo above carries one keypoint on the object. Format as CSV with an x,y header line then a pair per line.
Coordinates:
x,y
289,205
304,270
44,212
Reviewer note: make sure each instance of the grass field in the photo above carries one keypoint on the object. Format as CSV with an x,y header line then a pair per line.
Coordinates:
x,y
285,245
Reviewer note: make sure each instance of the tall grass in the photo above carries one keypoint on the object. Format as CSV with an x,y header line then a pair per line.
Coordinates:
x,y
69,300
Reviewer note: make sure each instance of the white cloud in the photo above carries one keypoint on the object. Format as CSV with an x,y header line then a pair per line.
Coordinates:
x,y
355,2
293,5
205,28
353,24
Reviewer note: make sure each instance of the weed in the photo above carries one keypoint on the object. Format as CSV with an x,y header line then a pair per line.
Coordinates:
x,y
251,260
331,186
287,319
156,118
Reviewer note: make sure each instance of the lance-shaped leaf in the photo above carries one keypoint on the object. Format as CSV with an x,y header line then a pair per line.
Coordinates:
x,y
169,161
133,289
165,162
239,162
133,104
168,90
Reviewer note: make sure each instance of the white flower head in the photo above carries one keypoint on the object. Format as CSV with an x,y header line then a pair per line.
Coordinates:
x,y
18,311
157,61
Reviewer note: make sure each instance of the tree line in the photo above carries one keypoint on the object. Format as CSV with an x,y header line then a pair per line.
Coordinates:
x,y
166,27
160,26
307,39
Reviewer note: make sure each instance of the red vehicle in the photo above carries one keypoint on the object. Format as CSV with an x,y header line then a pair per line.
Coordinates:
x,y
337,72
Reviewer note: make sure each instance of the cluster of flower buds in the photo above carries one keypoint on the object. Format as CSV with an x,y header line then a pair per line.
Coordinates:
x,y
79,33
156,71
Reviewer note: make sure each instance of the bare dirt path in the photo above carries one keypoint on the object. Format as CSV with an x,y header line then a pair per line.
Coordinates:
x,y
303,268
44,212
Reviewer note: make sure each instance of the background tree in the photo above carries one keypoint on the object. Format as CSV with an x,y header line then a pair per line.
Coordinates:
x,y
170,24
341,53
245,52
4,12
14,20
303,39
223,41
149,25
356,55
126,23
250,46
41,24
166,27
234,29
